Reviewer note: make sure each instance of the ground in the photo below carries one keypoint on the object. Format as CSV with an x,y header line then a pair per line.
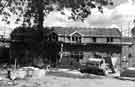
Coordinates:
x,y
53,80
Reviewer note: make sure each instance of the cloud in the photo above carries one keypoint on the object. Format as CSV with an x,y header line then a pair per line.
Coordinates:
x,y
123,12
116,15
120,15
57,19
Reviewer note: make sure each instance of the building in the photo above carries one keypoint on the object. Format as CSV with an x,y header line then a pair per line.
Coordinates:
x,y
79,44
131,49
128,51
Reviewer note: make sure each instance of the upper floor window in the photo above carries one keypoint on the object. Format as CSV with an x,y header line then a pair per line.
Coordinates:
x,y
109,39
94,39
76,37
53,37
69,38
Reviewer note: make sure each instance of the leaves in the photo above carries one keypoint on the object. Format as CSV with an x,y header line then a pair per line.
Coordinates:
x,y
37,9
82,12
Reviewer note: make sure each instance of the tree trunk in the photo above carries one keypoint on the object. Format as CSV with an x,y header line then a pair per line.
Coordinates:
x,y
40,14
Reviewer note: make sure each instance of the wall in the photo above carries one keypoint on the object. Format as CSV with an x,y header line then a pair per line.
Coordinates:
x,y
87,40
63,39
60,38
116,39
89,51
131,59
101,40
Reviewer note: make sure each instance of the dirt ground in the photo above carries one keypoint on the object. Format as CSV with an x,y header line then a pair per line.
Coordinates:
x,y
62,81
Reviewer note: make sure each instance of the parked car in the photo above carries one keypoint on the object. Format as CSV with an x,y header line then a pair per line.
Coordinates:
x,y
94,66
129,72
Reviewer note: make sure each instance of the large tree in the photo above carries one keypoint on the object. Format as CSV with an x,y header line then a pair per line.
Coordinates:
x,y
32,13
35,10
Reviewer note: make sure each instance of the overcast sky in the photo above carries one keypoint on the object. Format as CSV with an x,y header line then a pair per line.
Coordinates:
x,y
120,15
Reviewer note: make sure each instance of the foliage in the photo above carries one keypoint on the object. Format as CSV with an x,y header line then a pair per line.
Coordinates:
x,y
32,35
31,46
35,10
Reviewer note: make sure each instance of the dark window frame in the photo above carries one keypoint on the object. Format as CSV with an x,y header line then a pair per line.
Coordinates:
x,y
77,39
110,39
94,39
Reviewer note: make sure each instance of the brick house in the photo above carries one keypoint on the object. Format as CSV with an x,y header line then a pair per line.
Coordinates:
x,y
79,44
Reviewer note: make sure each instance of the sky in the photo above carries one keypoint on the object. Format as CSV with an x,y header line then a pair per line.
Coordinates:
x,y
120,15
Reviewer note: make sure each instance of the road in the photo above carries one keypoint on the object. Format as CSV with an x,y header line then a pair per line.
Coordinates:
x,y
57,81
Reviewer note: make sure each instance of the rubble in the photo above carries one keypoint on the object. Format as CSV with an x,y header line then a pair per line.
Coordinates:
x,y
17,74
26,72
39,73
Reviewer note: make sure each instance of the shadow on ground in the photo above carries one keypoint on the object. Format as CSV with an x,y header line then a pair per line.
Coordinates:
x,y
70,75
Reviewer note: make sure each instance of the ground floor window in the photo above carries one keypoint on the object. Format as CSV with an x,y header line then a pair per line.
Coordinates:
x,y
77,55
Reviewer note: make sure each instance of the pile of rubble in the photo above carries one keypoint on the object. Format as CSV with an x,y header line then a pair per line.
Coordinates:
x,y
26,72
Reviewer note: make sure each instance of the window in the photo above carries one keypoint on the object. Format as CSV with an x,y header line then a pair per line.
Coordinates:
x,y
129,55
76,38
68,37
94,39
77,55
53,37
109,39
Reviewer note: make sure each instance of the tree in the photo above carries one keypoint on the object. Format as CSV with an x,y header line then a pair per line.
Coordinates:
x,y
30,48
35,10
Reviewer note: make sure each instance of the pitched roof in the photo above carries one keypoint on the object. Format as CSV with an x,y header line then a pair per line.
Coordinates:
x,y
96,32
